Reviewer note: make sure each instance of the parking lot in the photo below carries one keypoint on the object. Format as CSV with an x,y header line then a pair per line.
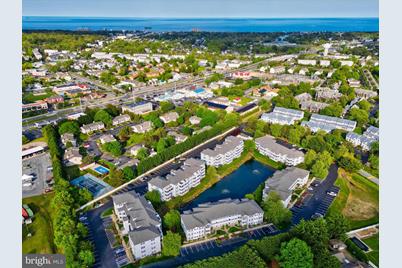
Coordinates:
x,y
40,167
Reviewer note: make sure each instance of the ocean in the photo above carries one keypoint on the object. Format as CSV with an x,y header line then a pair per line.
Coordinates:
x,y
203,24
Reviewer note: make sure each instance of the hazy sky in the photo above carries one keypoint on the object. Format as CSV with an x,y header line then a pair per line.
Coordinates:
x,y
202,8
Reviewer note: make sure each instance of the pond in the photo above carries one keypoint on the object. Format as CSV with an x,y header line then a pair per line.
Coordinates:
x,y
235,185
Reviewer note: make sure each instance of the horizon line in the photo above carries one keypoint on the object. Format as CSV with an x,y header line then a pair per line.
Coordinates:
x,y
285,17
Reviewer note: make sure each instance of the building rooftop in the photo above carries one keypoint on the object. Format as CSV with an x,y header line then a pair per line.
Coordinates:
x,y
271,143
229,144
207,212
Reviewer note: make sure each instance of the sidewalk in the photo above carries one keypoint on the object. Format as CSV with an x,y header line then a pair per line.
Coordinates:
x,y
369,176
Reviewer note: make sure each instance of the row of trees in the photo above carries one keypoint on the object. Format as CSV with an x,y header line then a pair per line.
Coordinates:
x,y
69,234
151,162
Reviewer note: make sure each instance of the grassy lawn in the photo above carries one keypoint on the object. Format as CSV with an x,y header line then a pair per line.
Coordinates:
x,y
357,200
107,212
30,97
41,228
373,243
267,161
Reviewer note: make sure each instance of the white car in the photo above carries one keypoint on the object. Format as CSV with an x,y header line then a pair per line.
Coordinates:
x,y
331,193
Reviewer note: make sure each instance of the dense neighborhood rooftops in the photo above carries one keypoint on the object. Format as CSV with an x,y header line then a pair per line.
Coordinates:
x,y
206,213
329,123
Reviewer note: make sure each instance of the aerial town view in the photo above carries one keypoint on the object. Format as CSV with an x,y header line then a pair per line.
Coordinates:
x,y
192,147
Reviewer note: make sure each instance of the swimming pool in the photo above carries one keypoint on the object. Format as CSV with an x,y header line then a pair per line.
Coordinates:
x,y
101,170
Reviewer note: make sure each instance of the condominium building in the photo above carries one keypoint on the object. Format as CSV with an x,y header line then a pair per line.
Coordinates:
x,y
284,182
269,147
138,108
204,219
328,94
370,136
120,119
178,182
328,123
92,127
143,127
282,116
140,222
225,153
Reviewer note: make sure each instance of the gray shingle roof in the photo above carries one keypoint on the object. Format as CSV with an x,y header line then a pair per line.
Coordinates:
x,y
207,212
270,143
229,144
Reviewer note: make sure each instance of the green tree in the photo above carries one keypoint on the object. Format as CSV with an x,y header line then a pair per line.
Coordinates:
x,y
128,173
161,145
171,220
275,212
166,106
350,163
276,130
359,115
295,254
310,158
314,233
142,154
114,147
103,116
319,169
69,127
154,197
25,140
171,244
108,78
337,226
116,177
124,133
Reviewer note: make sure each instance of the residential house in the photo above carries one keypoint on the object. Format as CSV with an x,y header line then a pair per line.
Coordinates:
x,y
177,136
371,135
364,93
313,106
92,127
143,127
307,62
68,138
120,119
195,120
106,138
303,97
72,156
328,94
169,117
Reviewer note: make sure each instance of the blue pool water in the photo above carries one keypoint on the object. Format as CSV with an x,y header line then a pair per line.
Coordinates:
x,y
236,185
203,24
101,169
96,186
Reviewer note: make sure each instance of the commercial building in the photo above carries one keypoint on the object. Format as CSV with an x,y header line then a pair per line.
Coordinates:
x,y
282,116
140,222
36,106
92,127
328,123
371,135
143,127
204,219
269,147
179,182
120,119
284,182
225,153
138,108
169,117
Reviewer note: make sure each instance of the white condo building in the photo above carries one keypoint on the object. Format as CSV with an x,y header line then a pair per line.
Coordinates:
x,y
140,222
371,135
268,146
179,181
204,219
225,153
282,116
328,123
284,182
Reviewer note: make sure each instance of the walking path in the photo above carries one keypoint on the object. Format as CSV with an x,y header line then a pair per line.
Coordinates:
x,y
369,176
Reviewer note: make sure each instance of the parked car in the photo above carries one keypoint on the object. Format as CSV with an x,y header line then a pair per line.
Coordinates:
x,y
316,216
331,193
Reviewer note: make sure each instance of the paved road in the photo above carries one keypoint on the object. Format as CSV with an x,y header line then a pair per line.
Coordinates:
x,y
104,255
